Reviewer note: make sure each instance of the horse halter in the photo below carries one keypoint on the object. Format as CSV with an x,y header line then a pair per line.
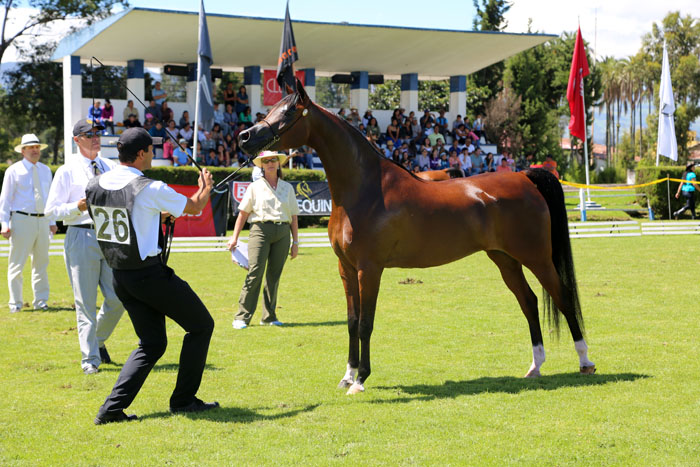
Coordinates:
x,y
276,136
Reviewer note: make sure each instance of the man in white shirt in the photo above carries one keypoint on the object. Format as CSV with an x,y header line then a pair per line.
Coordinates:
x,y
127,207
25,188
87,268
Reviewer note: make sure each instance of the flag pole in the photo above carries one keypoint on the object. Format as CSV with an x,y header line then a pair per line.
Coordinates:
x,y
585,139
196,99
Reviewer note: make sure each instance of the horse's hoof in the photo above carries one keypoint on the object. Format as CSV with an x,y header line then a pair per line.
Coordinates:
x,y
534,373
345,383
356,388
587,370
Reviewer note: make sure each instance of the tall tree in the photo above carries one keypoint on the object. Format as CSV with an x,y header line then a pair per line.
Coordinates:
x,y
487,83
48,11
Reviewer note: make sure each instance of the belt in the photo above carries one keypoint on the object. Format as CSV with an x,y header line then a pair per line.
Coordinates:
x,y
271,222
84,226
30,214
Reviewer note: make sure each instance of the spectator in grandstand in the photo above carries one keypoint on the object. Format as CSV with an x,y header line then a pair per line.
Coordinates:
x,y
458,121
217,134
425,145
187,133
219,118
509,160
465,162
423,161
149,122
241,127
367,117
478,127
204,137
159,95
406,162
688,189
130,110
108,116
489,163
211,158
441,124
460,134
223,156
132,122
354,118
230,118
415,130
154,109
453,160
185,118
157,131
477,162
341,114
245,117
95,113
388,151
444,161
503,166
373,130
468,144
435,137
427,117
166,113
241,100
230,96
434,160
180,155
396,156
392,132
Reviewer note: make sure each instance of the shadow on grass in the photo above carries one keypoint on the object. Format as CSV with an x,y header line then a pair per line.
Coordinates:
x,y
232,415
504,384
107,367
321,323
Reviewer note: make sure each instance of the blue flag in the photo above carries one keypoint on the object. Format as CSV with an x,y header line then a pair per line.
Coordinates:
x,y
206,92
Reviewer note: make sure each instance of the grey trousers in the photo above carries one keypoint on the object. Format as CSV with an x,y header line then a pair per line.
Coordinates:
x,y
268,244
30,237
88,269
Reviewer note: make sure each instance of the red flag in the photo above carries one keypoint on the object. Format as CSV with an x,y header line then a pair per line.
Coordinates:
x,y
574,92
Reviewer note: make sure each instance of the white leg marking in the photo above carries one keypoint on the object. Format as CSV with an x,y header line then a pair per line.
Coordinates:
x,y
349,378
538,358
582,350
356,388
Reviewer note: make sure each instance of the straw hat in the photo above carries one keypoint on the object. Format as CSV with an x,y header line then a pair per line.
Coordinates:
x,y
30,139
267,154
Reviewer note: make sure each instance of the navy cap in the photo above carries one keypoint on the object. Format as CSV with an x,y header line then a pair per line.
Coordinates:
x,y
134,140
85,125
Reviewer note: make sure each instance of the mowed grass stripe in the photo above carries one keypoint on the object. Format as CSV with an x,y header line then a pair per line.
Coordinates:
x,y
448,356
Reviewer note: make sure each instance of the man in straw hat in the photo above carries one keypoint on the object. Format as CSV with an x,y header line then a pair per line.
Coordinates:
x,y
25,188
86,265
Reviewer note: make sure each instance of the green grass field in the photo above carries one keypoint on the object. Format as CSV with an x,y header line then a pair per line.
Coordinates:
x,y
448,357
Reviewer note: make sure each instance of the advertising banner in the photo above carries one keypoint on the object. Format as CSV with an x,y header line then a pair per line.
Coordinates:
x,y
313,198
272,92
210,222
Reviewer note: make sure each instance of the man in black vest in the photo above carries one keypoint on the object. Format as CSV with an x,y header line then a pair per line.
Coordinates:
x,y
126,208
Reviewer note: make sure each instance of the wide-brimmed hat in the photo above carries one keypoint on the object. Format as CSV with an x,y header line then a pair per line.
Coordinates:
x,y
30,139
267,154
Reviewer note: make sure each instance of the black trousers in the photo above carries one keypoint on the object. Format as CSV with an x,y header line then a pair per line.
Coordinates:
x,y
149,295
689,204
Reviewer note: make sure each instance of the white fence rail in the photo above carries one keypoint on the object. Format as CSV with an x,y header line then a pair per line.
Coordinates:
x,y
671,228
192,244
604,229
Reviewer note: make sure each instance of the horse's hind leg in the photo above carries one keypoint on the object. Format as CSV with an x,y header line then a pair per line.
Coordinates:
x,y
550,280
348,274
512,273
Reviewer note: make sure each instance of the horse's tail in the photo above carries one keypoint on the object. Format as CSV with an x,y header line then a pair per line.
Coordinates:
x,y
551,191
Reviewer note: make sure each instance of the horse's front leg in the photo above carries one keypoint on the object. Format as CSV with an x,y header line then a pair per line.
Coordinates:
x,y
369,279
348,275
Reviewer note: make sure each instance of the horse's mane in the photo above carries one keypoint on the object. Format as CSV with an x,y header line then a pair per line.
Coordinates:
x,y
358,133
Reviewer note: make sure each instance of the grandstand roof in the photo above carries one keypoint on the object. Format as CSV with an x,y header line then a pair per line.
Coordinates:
x,y
170,37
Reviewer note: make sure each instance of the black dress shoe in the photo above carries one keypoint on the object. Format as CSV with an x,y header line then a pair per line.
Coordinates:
x,y
114,417
196,406
104,355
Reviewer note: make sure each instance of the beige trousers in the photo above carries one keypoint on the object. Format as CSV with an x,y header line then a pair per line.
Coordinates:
x,y
29,237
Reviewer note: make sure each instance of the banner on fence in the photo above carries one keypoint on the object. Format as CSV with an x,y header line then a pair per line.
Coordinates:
x,y
272,93
313,198
210,222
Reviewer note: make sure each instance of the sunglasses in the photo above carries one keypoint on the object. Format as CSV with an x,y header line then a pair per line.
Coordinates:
x,y
89,135
267,161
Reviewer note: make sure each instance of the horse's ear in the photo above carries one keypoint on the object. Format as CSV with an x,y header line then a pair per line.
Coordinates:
x,y
302,92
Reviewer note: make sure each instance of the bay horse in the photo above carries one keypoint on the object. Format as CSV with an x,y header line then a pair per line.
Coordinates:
x,y
439,175
382,214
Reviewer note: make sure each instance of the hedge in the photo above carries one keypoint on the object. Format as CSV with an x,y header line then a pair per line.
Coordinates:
x,y
658,193
189,175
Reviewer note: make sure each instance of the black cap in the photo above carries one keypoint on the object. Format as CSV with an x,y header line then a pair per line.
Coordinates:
x,y
134,140
85,125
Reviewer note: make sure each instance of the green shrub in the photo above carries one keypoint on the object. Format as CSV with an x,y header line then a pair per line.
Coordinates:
x,y
609,175
658,194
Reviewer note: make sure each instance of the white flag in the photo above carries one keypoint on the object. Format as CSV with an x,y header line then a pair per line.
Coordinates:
x,y
666,144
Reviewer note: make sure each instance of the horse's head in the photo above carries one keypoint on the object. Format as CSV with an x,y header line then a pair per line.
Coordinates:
x,y
284,126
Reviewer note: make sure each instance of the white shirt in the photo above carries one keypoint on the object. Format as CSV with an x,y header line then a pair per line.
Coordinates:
x,y
264,203
18,189
465,162
68,188
148,204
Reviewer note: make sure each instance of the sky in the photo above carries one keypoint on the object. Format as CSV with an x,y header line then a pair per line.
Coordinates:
x,y
612,27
